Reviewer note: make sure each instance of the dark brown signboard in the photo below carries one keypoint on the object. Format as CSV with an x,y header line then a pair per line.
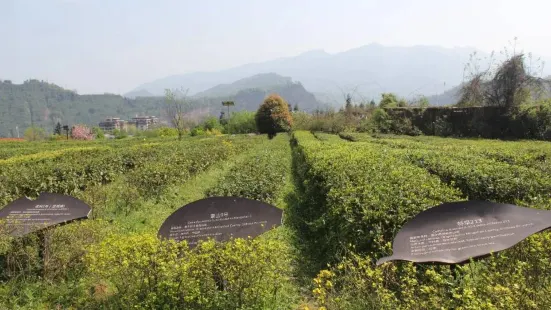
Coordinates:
x,y
24,216
220,218
456,232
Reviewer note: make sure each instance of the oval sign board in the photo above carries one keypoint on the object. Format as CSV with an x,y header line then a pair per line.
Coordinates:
x,y
456,232
24,216
220,218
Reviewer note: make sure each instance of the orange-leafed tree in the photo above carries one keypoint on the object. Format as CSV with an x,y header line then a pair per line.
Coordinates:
x,y
273,116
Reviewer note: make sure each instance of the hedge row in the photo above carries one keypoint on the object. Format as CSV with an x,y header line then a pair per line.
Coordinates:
x,y
509,280
533,154
485,179
353,195
149,166
260,176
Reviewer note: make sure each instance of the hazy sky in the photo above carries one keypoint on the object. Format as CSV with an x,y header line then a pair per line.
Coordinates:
x,y
115,45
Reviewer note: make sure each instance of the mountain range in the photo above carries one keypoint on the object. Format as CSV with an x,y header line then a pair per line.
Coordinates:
x,y
365,71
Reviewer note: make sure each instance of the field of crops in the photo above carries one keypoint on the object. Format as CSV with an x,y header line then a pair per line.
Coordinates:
x,y
344,199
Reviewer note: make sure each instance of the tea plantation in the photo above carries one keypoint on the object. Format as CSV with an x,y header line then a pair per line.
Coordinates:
x,y
344,199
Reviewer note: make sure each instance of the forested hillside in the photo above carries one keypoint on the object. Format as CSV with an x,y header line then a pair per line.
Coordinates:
x,y
44,104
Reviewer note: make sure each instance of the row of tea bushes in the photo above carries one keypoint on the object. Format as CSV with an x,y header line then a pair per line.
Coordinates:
x,y
509,280
14,149
261,175
485,179
95,264
532,154
353,195
140,271
176,165
149,166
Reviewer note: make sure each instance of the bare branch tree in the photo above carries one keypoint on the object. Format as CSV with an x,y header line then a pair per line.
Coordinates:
x,y
176,106
507,83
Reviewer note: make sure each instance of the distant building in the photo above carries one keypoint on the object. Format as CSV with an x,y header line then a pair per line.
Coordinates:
x,y
144,122
110,124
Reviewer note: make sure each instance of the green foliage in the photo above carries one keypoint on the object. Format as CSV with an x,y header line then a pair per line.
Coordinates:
x,y
166,132
120,134
327,122
343,203
499,282
241,122
98,133
533,120
379,121
388,100
372,181
142,271
259,176
273,116
34,134
212,123
197,131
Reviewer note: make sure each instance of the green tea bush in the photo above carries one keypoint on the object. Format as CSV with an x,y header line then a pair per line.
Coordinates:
x,y
357,196
241,122
507,280
384,174
140,271
259,176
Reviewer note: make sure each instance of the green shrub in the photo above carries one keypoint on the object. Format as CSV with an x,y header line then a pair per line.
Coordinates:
x,y
34,134
98,133
212,124
166,132
197,131
354,194
143,272
241,123
509,280
120,134
260,176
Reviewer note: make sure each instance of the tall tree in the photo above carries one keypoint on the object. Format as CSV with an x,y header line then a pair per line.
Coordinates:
x,y
228,104
273,116
176,106
57,129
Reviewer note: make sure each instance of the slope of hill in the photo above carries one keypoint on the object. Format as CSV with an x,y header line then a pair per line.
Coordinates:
x,y
42,104
264,81
138,93
449,97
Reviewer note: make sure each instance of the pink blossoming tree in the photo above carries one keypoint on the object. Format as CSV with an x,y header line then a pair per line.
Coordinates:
x,y
81,132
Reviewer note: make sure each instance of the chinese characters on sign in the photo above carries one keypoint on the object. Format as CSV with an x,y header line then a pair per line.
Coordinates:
x,y
220,218
24,216
456,232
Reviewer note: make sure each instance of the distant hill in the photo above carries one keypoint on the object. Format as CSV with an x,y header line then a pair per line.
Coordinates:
x,y
449,97
264,81
138,93
44,104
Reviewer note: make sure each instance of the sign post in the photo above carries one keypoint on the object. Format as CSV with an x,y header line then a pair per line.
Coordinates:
x,y
220,218
24,216
453,233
